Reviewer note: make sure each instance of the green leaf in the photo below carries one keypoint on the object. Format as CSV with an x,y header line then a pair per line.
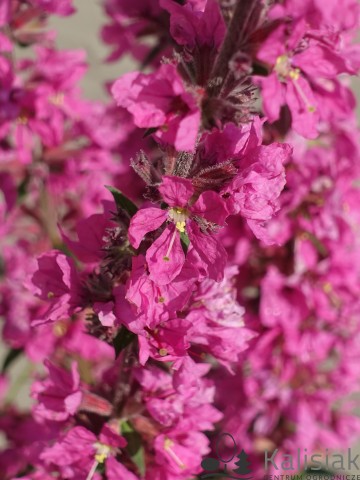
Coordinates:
x,y
134,446
122,201
185,241
122,340
12,355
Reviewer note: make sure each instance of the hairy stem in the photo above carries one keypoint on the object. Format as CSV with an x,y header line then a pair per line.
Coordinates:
x,y
124,382
245,16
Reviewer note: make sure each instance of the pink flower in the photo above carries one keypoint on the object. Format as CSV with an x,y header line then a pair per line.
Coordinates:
x,y
333,16
56,280
164,317
166,257
125,32
79,451
217,320
194,28
255,190
154,303
58,396
297,63
166,343
90,232
62,68
159,100
176,455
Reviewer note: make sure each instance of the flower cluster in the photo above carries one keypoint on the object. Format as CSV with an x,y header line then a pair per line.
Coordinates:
x,y
183,259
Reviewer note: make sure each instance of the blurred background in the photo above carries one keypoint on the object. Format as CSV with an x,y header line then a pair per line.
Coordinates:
x,y
82,31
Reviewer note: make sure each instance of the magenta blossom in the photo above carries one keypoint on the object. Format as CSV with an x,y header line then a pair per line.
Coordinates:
x,y
166,343
193,28
254,192
57,280
59,396
297,65
78,453
160,101
153,303
184,216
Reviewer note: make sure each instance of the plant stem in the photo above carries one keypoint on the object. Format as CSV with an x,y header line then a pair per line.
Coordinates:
x,y
246,12
124,382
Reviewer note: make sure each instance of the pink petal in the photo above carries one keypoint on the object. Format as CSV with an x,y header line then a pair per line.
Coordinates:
x,y
105,313
272,94
110,437
187,132
72,402
211,253
319,61
273,46
176,191
144,221
144,350
129,92
304,114
117,471
164,271
212,207
90,232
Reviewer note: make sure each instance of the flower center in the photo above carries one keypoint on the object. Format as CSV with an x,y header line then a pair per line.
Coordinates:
x,y
179,216
285,71
283,67
102,453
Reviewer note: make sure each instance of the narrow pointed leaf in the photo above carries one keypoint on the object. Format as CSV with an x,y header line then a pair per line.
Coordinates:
x,y
122,202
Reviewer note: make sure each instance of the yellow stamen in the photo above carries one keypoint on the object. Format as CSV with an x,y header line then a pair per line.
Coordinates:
x,y
100,457
181,226
179,216
103,451
282,66
300,91
167,445
163,352
294,74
